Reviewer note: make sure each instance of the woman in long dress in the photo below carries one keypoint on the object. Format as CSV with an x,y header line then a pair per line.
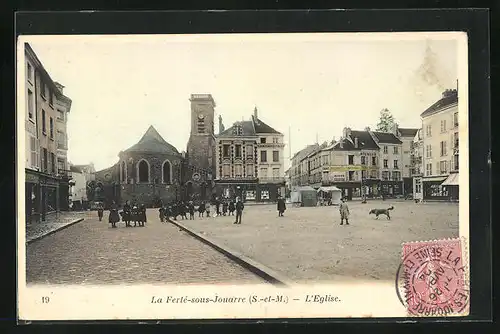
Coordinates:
x,y
113,215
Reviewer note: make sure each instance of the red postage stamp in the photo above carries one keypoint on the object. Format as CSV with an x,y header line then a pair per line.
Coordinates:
x,y
434,278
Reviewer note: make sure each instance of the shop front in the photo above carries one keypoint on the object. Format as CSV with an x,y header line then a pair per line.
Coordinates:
x,y
41,196
451,184
391,188
250,191
349,190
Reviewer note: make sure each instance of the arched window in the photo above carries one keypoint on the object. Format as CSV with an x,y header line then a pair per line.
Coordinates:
x,y
123,172
143,171
167,172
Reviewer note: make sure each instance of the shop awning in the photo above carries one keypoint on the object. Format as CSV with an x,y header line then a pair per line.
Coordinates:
x,y
451,180
434,178
328,189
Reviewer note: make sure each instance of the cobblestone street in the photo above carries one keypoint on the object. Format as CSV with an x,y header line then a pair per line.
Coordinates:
x,y
308,244
90,252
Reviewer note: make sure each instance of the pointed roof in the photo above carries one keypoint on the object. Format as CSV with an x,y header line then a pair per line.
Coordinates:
x,y
153,142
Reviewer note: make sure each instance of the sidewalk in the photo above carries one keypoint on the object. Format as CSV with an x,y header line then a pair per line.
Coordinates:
x,y
38,230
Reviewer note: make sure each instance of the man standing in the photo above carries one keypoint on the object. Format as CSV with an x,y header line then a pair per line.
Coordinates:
x,y
239,210
344,212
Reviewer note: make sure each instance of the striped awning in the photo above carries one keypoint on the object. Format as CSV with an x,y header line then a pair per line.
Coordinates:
x,y
451,180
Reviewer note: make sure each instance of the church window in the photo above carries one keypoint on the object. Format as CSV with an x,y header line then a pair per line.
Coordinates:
x,y
143,169
167,172
201,125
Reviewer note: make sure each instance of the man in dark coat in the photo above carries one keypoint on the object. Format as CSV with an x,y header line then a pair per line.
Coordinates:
x,y
217,206
239,210
232,207
281,206
142,215
100,211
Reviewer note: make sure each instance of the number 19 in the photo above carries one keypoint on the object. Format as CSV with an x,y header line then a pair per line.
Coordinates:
x,y
45,300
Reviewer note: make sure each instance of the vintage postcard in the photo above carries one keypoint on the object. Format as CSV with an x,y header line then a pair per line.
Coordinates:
x,y
242,176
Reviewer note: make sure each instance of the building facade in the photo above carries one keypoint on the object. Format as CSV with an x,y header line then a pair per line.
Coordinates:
x,y
440,146
298,169
353,164
46,187
250,161
149,172
407,136
81,185
416,160
63,108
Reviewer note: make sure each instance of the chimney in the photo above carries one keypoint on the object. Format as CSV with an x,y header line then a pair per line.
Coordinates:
x,y
367,129
346,133
356,142
255,113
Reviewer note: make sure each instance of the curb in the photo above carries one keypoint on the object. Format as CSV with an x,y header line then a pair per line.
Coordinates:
x,y
258,269
55,230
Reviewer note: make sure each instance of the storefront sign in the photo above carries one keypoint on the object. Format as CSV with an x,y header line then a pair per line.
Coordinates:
x,y
31,178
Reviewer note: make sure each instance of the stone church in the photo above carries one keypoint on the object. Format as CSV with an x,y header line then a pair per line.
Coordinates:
x,y
153,171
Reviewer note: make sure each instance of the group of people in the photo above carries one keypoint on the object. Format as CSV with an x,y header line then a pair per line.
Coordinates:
x,y
224,207
137,213
131,213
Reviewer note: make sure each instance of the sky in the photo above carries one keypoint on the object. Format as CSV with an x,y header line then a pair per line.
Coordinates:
x,y
307,86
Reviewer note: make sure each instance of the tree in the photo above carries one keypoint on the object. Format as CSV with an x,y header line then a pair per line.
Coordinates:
x,y
386,122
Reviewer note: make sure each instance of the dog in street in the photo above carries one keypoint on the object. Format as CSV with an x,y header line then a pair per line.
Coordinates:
x,y
378,212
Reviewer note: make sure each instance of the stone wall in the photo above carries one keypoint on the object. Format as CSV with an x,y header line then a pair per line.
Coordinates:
x,y
148,194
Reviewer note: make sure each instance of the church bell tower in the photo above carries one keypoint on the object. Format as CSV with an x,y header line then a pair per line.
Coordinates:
x,y
200,169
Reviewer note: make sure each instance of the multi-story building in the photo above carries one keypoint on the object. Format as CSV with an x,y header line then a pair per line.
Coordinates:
x,y
440,144
416,159
82,183
298,169
407,136
352,164
250,161
390,161
44,184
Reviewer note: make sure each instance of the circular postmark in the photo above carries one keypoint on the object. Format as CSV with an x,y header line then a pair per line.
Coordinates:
x,y
431,279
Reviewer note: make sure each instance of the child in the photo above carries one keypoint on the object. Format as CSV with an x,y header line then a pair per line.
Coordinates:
x,y
201,209
344,212
100,211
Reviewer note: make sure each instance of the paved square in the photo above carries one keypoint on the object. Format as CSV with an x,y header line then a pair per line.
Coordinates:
x,y
90,252
309,245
